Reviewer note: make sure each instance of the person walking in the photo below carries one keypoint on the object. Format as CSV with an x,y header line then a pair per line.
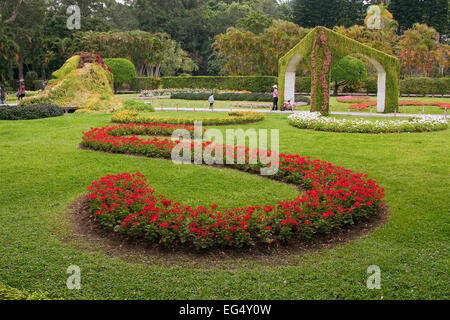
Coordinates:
x,y
44,85
211,101
21,92
275,98
3,94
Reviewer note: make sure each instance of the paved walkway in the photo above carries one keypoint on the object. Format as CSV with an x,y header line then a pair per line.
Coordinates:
x,y
357,114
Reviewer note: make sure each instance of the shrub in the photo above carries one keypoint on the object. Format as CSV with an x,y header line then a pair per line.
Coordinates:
x,y
303,84
423,86
420,86
70,65
134,105
253,84
145,83
123,71
37,111
349,72
37,85
30,79
371,85
234,96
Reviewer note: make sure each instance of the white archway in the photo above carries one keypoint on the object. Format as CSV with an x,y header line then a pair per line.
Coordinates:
x,y
331,46
381,91
291,70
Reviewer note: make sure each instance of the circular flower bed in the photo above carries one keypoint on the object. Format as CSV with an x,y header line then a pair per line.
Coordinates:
x,y
234,117
313,120
335,197
365,105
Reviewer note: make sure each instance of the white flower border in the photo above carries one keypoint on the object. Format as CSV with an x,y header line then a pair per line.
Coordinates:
x,y
314,120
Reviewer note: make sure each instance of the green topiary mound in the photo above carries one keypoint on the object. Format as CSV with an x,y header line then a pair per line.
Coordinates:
x,y
123,70
84,82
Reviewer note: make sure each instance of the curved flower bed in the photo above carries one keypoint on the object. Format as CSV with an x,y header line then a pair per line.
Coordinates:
x,y
235,117
117,133
335,198
354,99
364,106
313,120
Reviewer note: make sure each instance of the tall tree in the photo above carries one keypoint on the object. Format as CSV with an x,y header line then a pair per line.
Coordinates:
x,y
432,12
248,53
419,48
328,13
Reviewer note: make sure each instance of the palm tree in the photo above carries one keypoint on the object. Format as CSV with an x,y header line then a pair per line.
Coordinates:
x,y
419,48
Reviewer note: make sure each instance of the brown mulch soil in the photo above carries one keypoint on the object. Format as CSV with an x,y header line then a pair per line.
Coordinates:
x,y
90,236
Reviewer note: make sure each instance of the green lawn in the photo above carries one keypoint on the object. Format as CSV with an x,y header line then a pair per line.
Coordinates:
x,y
42,172
334,105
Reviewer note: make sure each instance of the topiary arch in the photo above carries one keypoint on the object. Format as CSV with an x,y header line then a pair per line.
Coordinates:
x,y
324,48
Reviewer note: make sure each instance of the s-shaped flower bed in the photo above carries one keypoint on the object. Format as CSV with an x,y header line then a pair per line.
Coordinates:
x,y
335,197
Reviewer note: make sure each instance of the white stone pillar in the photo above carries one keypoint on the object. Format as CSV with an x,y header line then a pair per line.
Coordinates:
x,y
289,88
381,94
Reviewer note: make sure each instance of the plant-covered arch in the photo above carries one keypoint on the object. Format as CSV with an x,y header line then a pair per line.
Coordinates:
x,y
324,48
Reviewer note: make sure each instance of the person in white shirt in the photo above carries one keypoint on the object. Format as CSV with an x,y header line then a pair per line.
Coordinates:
x,y
211,101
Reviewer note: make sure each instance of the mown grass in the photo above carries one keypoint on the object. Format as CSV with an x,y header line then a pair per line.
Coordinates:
x,y
42,172
335,106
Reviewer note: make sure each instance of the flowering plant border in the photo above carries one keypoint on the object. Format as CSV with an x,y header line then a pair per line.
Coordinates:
x,y
313,120
335,198
365,105
234,117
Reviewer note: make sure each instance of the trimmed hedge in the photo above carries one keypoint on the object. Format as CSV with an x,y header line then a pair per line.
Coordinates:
x,y
145,83
123,70
234,96
438,86
252,83
37,111
303,84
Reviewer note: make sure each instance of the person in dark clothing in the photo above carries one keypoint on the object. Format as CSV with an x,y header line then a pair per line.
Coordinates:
x,y
44,85
3,94
21,92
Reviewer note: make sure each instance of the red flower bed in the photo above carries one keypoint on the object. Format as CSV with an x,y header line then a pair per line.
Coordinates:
x,y
335,198
353,99
364,106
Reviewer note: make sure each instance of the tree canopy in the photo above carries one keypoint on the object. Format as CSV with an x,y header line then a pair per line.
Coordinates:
x,y
197,36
